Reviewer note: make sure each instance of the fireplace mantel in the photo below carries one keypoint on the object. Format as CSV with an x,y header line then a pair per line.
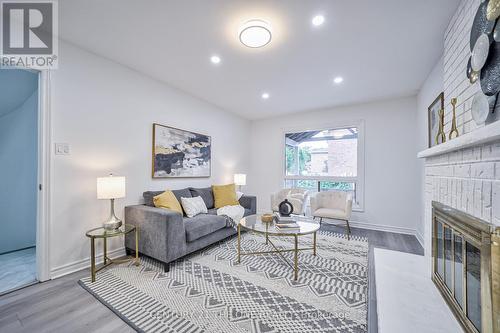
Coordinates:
x,y
477,137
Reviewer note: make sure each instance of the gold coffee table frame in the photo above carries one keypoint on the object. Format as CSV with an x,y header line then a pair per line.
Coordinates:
x,y
253,223
102,233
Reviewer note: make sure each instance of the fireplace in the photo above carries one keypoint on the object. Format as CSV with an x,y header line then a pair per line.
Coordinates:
x,y
466,267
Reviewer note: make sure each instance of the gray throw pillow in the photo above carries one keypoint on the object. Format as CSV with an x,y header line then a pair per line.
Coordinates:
x,y
148,197
182,193
205,193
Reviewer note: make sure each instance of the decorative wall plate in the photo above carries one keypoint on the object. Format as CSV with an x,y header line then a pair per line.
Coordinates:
x,y
480,108
469,68
490,73
496,33
493,10
481,24
480,52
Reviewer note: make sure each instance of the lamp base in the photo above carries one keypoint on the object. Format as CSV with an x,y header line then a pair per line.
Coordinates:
x,y
112,225
113,222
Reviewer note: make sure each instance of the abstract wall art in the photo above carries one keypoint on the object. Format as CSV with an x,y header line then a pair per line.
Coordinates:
x,y
180,153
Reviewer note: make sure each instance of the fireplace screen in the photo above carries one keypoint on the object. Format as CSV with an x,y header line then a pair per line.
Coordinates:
x,y
465,268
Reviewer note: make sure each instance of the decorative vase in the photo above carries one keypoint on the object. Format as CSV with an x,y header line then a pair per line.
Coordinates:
x,y
285,208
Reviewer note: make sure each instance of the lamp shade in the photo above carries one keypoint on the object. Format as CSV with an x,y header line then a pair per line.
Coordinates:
x,y
240,179
110,187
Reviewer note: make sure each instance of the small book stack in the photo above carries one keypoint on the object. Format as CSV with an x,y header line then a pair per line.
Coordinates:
x,y
285,222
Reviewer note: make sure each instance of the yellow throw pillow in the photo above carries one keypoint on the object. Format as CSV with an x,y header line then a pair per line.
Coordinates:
x,y
167,200
224,195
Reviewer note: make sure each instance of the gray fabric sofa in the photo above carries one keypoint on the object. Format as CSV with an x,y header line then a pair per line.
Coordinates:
x,y
166,235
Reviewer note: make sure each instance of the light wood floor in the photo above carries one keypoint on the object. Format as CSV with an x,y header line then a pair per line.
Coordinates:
x,y
61,305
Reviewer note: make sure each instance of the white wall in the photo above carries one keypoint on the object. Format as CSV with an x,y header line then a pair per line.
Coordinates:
x,y
431,88
391,171
105,112
18,176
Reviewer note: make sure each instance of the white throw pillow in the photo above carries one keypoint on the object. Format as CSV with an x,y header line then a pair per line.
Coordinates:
x,y
194,206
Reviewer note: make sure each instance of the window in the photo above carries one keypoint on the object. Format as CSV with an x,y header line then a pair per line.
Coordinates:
x,y
326,159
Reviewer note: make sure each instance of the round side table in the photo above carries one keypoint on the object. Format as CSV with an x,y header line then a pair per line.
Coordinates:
x,y
97,233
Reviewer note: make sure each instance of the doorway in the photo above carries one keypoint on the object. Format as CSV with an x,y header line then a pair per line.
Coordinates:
x,y
19,184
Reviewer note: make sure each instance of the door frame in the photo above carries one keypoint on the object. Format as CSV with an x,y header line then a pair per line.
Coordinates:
x,y
44,177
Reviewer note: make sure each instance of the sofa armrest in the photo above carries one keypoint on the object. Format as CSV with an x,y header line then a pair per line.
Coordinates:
x,y
249,202
161,232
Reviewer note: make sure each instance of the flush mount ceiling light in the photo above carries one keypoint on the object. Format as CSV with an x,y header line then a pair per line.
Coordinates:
x,y
338,79
265,95
255,33
318,20
215,59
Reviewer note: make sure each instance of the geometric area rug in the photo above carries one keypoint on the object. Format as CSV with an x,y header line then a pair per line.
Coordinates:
x,y
208,291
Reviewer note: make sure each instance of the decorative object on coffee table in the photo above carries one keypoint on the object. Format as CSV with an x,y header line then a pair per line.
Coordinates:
x,y
433,118
454,130
104,234
111,188
266,218
179,153
285,208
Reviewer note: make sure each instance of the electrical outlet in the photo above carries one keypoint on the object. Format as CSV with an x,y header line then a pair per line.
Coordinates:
x,y
62,149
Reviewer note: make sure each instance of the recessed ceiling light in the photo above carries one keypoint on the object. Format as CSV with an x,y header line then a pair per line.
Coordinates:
x,y
255,33
265,95
338,79
318,20
215,59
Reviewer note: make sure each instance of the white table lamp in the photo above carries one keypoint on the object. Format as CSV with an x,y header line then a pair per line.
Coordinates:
x,y
111,188
240,179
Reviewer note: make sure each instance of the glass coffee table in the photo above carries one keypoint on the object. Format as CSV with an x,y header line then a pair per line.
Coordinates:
x,y
253,223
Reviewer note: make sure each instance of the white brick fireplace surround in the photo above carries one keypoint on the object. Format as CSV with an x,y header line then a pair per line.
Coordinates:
x,y
463,173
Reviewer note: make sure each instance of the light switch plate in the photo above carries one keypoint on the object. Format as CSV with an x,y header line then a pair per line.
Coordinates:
x,y
62,149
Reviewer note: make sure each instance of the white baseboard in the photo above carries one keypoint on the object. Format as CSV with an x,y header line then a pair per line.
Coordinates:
x,y
379,227
420,238
83,263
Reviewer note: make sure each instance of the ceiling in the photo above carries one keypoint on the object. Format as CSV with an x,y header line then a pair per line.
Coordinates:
x,y
17,85
382,49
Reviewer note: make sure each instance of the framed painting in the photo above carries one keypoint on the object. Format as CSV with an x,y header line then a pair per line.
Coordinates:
x,y
433,122
178,153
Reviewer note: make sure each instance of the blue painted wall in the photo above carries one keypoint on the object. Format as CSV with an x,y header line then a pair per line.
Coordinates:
x,y
18,160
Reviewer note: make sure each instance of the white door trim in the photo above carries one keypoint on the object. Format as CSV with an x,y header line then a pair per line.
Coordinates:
x,y
44,177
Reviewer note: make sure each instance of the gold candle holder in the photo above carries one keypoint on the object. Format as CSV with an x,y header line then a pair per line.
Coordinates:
x,y
440,134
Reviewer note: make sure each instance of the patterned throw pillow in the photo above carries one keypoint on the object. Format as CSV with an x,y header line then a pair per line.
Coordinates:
x,y
194,206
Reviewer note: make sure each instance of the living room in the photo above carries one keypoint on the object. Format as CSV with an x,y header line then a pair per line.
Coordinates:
x,y
368,129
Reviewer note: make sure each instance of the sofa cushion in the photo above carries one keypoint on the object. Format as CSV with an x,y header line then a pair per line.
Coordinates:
x,y
182,193
212,211
205,193
202,225
194,206
224,195
148,197
167,200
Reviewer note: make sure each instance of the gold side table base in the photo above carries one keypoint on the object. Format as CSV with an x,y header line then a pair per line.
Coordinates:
x,y
296,249
106,260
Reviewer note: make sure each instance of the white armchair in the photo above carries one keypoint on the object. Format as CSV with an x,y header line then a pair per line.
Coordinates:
x,y
332,205
296,196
